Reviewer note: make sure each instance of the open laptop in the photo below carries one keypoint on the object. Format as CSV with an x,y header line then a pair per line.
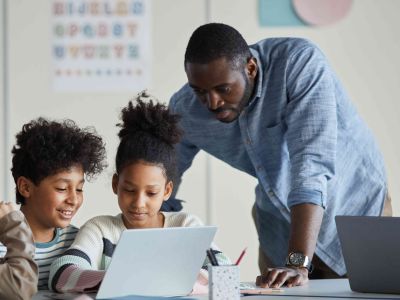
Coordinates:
x,y
371,251
156,262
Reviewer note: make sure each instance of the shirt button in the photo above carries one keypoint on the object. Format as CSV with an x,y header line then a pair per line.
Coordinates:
x,y
259,168
248,141
271,193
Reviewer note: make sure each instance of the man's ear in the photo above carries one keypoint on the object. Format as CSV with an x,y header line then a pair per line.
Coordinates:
x,y
169,187
252,68
24,186
115,183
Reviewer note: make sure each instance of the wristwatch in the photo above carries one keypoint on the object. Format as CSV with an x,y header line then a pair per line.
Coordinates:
x,y
298,260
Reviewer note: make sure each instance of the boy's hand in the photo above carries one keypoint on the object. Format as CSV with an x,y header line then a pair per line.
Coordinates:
x,y
6,208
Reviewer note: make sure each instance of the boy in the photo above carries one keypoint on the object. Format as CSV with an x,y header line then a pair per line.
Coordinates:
x,y
49,162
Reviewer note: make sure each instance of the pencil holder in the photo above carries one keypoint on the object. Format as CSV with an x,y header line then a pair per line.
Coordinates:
x,y
224,282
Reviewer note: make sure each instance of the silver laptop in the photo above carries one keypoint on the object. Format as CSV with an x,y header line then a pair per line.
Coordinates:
x,y
371,251
156,262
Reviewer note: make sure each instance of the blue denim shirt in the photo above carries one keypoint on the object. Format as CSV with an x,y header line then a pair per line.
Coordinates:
x,y
303,140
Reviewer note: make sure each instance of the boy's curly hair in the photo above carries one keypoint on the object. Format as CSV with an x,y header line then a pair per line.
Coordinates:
x,y
44,148
148,132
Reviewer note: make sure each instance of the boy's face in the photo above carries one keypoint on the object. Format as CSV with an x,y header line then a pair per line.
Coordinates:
x,y
55,200
141,190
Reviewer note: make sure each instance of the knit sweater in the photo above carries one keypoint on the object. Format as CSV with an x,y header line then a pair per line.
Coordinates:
x,y
83,265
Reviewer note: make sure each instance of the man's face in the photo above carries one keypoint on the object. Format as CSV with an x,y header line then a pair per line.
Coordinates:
x,y
224,90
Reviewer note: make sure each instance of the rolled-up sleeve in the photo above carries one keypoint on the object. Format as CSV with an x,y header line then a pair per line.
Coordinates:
x,y
311,126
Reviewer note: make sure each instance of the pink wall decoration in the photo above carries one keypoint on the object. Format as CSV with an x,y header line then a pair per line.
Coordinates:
x,y
321,12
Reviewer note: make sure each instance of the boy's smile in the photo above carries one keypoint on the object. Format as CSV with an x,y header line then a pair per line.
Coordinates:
x,y
53,202
66,213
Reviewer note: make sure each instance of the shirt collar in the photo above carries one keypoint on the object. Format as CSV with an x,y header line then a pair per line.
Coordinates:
x,y
258,83
54,241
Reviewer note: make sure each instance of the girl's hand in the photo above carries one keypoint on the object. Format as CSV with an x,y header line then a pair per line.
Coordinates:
x,y
201,284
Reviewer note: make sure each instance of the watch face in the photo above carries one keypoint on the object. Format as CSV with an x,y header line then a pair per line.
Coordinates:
x,y
296,259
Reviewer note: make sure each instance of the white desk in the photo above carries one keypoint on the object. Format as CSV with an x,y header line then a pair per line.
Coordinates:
x,y
322,289
317,289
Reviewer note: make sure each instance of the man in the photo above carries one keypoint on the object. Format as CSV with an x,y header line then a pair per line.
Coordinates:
x,y
277,111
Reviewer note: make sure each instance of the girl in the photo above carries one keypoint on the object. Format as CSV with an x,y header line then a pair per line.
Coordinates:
x,y
145,169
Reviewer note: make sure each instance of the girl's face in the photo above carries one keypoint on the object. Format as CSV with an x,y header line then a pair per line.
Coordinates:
x,y
141,190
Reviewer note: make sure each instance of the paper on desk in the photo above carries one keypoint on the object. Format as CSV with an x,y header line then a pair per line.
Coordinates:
x,y
66,296
250,288
135,297
74,296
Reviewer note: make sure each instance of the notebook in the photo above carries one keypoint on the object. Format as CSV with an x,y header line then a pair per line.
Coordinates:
x,y
371,249
156,262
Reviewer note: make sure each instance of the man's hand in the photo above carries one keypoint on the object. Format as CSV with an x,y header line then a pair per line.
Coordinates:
x,y
304,229
6,208
276,277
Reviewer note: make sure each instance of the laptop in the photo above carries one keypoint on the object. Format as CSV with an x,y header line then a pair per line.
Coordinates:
x,y
156,262
371,251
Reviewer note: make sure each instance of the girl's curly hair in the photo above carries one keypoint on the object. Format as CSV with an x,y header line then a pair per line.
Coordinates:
x,y
148,132
44,148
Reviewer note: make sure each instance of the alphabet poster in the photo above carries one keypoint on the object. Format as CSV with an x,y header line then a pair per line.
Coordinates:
x,y
101,45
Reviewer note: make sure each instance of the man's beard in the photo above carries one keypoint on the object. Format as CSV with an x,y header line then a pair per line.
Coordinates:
x,y
248,91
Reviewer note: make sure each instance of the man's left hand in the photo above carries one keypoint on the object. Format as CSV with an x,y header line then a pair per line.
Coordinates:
x,y
276,277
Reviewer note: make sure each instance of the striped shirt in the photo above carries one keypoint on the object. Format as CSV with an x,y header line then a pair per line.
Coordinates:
x,y
46,253
83,265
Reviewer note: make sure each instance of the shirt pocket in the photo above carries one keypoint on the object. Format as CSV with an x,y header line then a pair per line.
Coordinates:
x,y
275,136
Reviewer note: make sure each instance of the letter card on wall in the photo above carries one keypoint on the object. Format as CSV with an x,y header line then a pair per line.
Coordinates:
x,y
101,45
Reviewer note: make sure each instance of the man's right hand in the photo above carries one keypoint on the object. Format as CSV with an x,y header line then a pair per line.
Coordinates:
x,y
277,277
6,208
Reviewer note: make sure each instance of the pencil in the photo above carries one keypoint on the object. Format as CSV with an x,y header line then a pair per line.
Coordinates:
x,y
241,256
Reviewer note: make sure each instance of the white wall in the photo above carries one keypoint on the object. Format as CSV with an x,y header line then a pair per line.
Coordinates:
x,y
30,86
2,158
362,48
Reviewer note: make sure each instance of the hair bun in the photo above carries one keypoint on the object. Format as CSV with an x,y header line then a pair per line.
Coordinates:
x,y
148,116
144,96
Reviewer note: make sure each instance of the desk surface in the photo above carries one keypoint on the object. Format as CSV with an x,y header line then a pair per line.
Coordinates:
x,y
318,289
328,288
